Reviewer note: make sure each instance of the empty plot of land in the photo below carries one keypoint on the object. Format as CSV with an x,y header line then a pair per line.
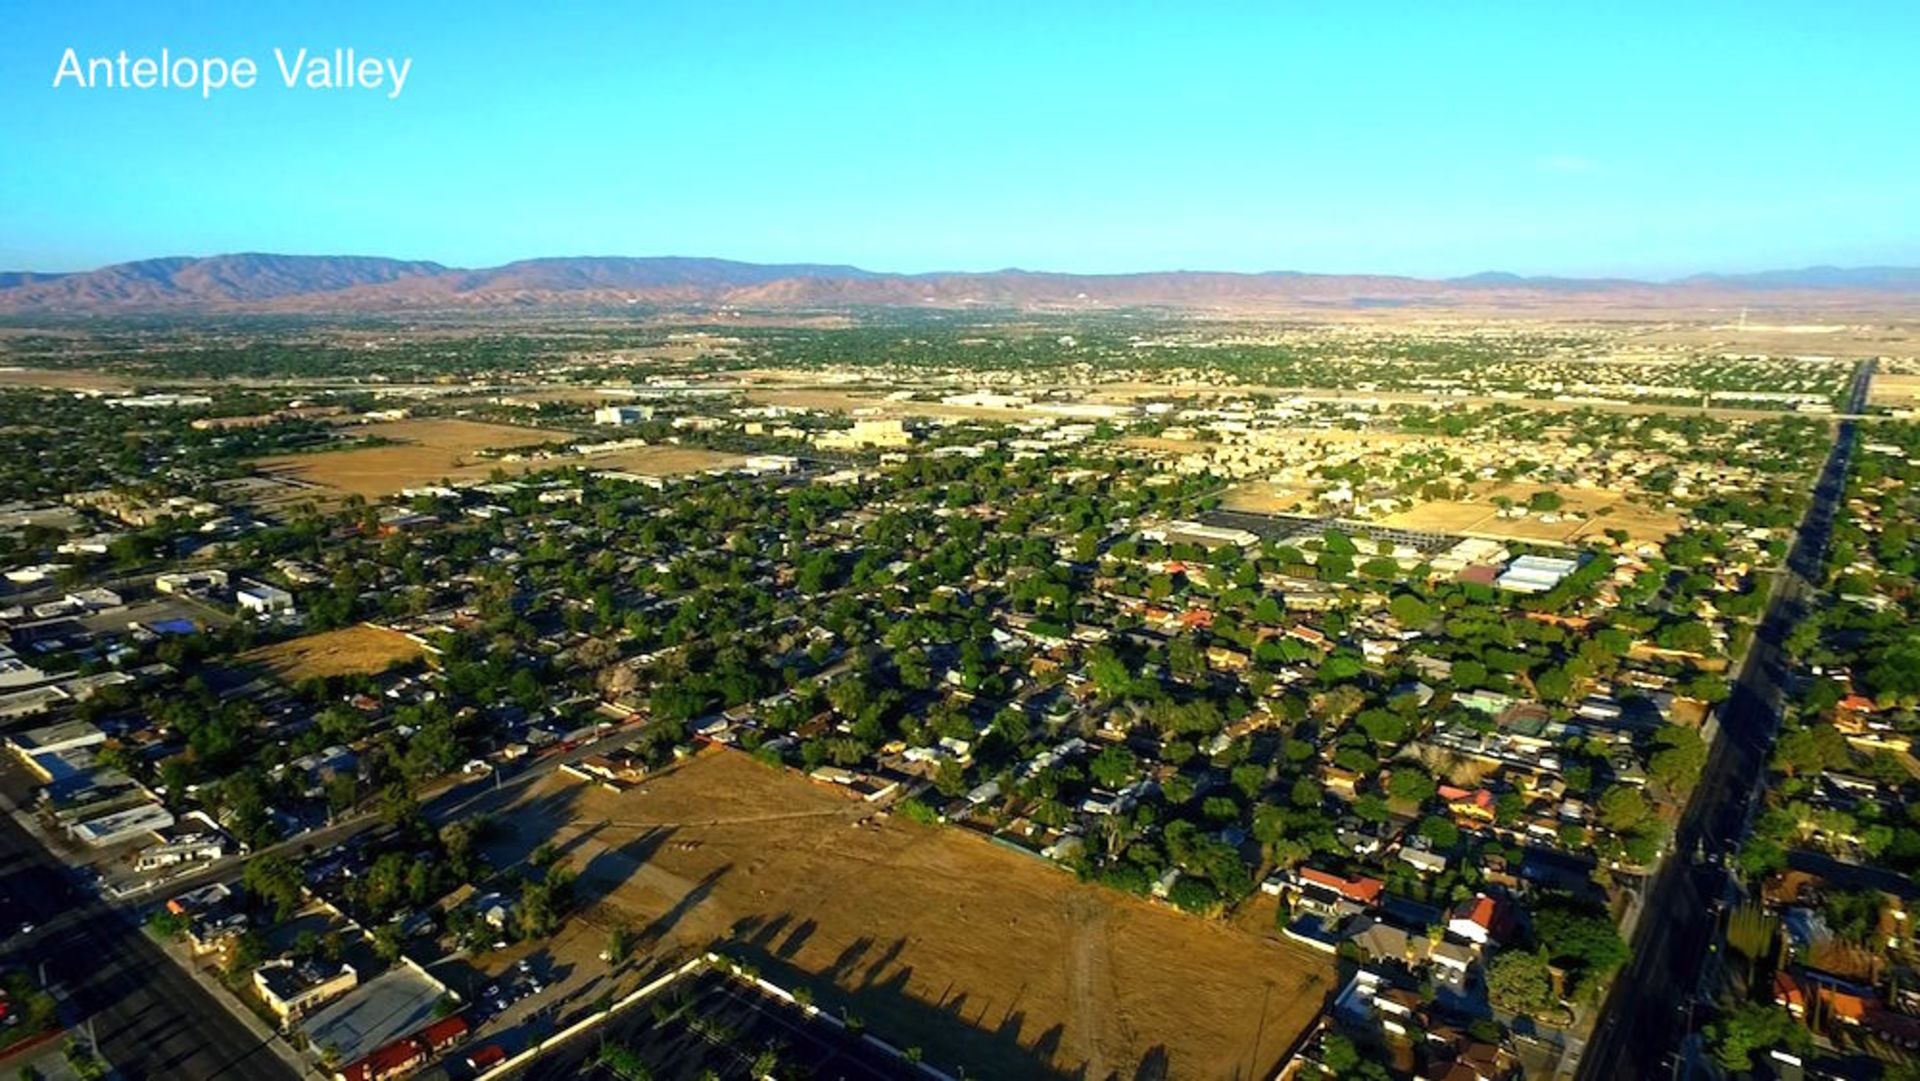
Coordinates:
x,y
348,651
1894,390
656,461
1585,512
1159,444
423,451
935,937
61,379
1262,497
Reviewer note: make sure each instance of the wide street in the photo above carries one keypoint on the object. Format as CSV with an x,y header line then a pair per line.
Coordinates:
x,y
1649,1009
152,1020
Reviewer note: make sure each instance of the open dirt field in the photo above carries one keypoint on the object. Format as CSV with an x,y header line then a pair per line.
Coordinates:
x,y
1262,497
61,379
427,450
356,650
656,461
935,937
1895,390
1162,445
1599,510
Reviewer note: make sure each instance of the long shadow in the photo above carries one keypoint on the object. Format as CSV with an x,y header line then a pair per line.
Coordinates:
x,y
666,921
798,938
611,868
867,980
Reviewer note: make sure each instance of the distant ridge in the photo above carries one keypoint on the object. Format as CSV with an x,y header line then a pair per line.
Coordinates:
x,y
249,282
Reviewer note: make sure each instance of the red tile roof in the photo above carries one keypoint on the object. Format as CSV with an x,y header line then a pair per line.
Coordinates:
x,y
1364,890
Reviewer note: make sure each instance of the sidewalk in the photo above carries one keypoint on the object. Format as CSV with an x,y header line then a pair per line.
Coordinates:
x,y
299,1063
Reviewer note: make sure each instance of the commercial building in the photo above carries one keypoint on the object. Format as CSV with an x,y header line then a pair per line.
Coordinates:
x,y
292,989
262,599
1204,536
622,415
374,1014
865,433
1535,574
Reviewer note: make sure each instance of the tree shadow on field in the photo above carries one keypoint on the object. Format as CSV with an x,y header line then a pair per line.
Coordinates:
x,y
664,923
612,867
871,980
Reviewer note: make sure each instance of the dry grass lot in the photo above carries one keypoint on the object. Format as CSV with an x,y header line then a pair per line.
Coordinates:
x,y
434,449
1902,391
937,938
1158,444
427,450
1599,510
61,379
356,650
1262,497
660,460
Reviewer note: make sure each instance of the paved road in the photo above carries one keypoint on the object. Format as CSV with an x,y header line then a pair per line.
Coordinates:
x,y
154,1023
153,1020
460,800
1649,1009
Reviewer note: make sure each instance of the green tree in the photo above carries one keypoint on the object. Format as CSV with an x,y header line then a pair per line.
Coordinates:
x,y
1624,809
1113,766
276,881
1410,611
1748,1028
1519,982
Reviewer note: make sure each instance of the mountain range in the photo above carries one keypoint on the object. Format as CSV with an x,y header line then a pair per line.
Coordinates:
x,y
254,282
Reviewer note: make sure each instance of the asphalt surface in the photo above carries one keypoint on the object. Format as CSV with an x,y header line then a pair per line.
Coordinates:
x,y
151,1019
1649,1010
674,1051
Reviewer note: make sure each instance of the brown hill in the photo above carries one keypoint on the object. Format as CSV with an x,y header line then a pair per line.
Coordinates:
x,y
299,283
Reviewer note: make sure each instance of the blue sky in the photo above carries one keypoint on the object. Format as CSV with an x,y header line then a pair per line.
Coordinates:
x,y
1418,138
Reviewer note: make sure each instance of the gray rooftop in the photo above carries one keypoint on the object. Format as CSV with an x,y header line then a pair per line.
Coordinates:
x,y
396,1003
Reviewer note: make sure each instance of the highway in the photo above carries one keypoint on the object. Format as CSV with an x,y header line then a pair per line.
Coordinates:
x,y
1649,1009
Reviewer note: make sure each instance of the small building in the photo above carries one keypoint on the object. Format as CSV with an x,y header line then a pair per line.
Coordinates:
x,y
1481,920
55,739
262,599
371,1017
191,582
1535,574
622,415
403,1056
142,820
292,989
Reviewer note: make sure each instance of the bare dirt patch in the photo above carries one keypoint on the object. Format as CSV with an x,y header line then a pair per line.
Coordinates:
x,y
1895,390
356,650
1159,444
656,461
1585,512
935,937
1263,497
425,450
61,379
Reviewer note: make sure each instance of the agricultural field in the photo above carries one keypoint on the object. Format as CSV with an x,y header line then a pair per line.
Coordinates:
x,y
348,651
934,937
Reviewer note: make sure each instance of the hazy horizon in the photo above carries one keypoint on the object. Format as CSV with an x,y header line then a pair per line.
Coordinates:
x,y
983,270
